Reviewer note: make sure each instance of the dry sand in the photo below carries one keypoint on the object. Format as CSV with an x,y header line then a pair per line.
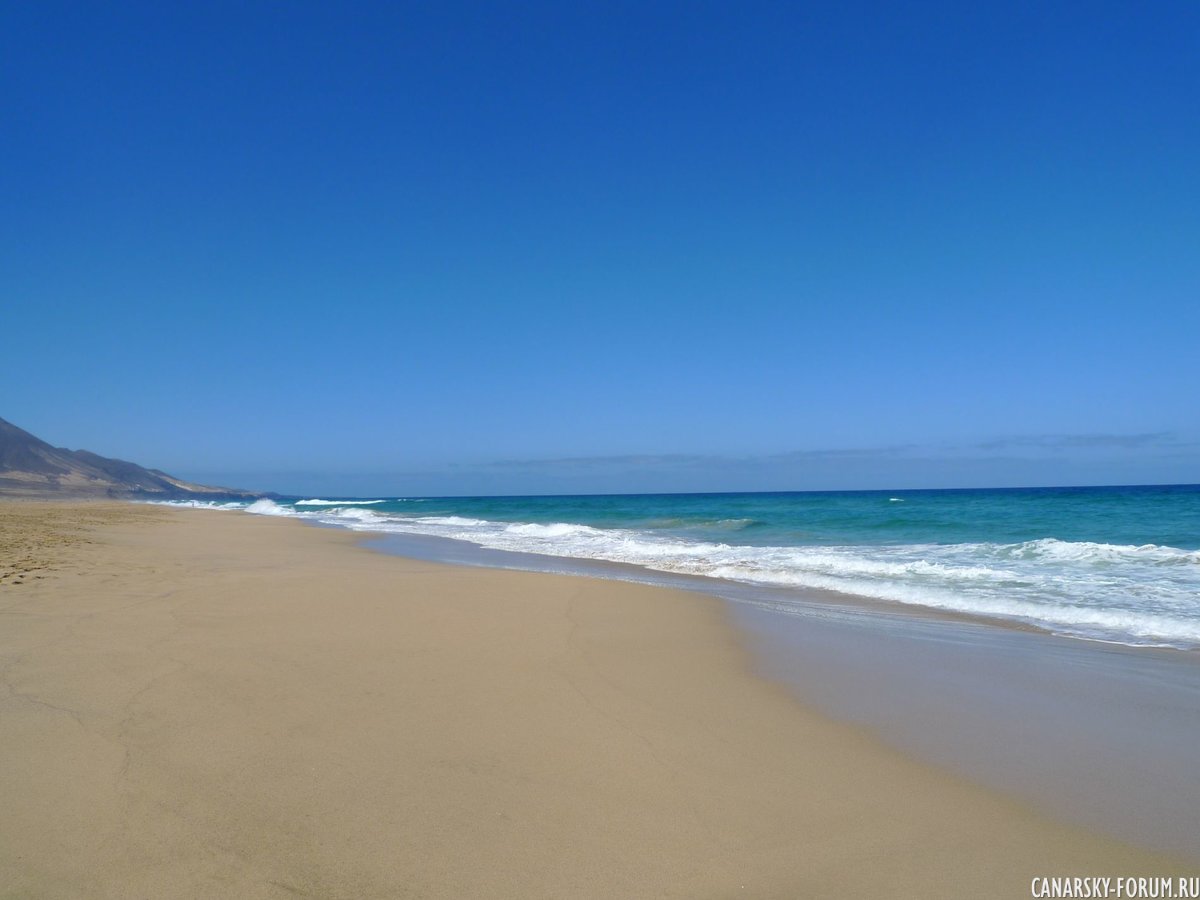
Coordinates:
x,y
209,704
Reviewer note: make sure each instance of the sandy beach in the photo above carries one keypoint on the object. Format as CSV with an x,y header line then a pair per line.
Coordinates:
x,y
210,704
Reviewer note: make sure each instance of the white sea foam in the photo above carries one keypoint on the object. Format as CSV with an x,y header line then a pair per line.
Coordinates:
x,y
265,507
350,513
451,521
557,530
198,504
319,502
1136,594
1100,554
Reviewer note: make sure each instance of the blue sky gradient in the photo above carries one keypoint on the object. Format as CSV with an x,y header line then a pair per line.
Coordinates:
x,y
486,248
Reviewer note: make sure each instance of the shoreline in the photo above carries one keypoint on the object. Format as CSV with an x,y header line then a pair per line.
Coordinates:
x,y
521,544
244,706
434,549
1100,740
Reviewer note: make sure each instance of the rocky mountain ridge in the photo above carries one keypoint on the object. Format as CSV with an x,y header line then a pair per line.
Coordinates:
x,y
30,467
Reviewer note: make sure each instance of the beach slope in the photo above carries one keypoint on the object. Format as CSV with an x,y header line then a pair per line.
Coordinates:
x,y
201,703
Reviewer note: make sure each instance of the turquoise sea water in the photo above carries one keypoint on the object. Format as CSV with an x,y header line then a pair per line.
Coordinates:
x,y
1112,563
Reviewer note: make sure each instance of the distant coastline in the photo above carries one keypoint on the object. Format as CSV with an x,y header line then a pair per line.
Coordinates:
x,y
30,468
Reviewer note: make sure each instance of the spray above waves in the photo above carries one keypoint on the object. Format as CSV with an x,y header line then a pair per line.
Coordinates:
x,y
265,507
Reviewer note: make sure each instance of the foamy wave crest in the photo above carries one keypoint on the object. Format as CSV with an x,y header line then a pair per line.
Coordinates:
x,y
734,524
318,502
451,521
342,514
557,530
198,504
265,507
1101,554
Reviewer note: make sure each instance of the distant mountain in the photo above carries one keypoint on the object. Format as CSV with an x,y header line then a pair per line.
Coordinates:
x,y
30,467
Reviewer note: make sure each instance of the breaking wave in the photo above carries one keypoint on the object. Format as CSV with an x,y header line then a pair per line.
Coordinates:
x,y
318,502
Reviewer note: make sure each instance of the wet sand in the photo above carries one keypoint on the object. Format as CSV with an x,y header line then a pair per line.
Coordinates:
x,y
1097,734
201,703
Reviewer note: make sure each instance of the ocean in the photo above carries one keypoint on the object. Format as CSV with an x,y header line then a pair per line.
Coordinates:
x,y
1114,564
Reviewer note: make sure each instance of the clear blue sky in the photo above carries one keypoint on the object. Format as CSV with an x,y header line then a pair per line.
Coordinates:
x,y
446,248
